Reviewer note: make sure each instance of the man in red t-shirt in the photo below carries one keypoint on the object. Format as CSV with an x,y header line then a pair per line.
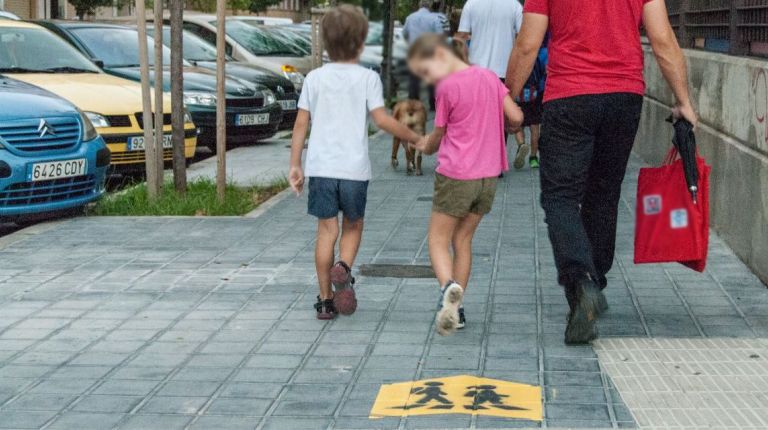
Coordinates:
x,y
591,115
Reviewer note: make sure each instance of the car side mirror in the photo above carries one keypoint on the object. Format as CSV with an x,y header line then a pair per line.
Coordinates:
x,y
98,63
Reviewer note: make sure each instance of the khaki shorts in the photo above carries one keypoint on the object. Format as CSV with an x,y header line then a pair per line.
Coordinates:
x,y
460,198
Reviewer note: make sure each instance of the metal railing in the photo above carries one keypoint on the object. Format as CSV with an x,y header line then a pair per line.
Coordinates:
x,y
737,27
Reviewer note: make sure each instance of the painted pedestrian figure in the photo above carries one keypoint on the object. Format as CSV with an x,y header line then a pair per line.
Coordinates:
x,y
431,392
486,394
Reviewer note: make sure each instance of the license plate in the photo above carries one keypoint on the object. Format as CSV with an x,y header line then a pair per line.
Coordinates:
x,y
252,119
137,143
288,104
58,169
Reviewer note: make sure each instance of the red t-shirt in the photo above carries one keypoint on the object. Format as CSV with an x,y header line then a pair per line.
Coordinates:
x,y
594,47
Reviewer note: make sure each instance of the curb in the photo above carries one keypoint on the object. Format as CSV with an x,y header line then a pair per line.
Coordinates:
x,y
269,203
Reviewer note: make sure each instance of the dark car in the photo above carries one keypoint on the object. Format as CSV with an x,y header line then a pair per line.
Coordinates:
x,y
202,54
252,109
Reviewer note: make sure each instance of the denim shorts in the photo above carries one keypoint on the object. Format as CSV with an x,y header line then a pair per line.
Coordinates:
x,y
328,197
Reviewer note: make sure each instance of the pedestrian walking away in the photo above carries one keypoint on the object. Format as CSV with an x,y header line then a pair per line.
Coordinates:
x,y
337,99
531,102
469,140
490,28
423,21
591,114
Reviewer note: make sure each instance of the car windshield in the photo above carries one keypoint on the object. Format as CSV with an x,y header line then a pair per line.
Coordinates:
x,y
375,36
298,40
259,41
195,48
35,50
117,47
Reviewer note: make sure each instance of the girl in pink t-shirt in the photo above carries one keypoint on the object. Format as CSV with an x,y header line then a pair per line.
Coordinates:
x,y
471,103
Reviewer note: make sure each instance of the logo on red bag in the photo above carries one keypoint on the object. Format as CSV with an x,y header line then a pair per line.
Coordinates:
x,y
678,218
652,204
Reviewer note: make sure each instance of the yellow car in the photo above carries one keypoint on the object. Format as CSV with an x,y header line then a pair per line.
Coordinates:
x,y
35,55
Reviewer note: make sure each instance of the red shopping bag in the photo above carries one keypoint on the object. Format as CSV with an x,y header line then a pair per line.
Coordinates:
x,y
671,227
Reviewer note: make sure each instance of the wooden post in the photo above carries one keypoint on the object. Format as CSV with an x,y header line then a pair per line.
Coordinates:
x,y
387,36
146,99
158,151
317,40
736,45
177,96
221,126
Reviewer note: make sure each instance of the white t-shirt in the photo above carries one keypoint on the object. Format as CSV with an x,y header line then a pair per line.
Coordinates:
x,y
494,25
338,97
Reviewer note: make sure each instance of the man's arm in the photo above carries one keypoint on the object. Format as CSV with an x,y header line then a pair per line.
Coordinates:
x,y
464,32
526,49
296,174
386,122
669,56
513,113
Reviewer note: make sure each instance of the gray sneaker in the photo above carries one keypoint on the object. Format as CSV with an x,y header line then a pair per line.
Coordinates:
x,y
522,152
448,315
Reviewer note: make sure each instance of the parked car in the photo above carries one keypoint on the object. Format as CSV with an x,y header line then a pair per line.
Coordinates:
x,y
35,55
254,45
51,157
269,20
252,110
374,49
202,54
368,59
8,15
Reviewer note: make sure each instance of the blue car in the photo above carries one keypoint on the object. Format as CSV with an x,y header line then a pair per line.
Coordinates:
x,y
51,158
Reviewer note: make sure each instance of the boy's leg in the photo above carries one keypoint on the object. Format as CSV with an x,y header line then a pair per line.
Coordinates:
x,y
522,150
535,135
441,230
351,236
327,233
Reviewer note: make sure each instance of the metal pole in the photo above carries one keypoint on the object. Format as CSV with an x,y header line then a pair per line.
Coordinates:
x,y
221,130
146,99
157,150
177,96
682,16
736,44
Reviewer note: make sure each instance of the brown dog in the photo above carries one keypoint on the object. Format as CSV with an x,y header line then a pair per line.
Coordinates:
x,y
413,114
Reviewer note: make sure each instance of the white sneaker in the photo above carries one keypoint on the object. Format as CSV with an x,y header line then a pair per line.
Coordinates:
x,y
448,315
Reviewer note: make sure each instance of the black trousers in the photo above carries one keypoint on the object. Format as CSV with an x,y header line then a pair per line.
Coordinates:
x,y
414,90
585,146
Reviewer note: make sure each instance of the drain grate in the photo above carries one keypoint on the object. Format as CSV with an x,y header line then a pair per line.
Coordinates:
x,y
397,271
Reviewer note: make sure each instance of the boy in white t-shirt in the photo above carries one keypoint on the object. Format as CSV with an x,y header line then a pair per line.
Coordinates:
x,y
337,98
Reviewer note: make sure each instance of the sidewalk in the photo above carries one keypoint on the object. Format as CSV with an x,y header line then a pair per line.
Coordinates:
x,y
207,323
256,163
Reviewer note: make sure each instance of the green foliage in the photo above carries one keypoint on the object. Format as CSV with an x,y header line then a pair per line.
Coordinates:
x,y
88,7
199,200
259,6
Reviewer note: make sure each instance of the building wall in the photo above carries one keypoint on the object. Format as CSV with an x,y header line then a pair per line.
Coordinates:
x,y
731,95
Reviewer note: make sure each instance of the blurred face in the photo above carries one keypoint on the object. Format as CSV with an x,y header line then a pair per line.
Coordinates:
x,y
433,70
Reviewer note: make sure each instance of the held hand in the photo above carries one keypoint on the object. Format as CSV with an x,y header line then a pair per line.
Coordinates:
x,y
296,180
686,111
421,145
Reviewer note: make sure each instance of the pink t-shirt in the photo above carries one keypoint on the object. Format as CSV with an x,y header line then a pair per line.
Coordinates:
x,y
470,105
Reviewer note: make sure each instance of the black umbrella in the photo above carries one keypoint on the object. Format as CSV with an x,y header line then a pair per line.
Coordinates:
x,y
685,142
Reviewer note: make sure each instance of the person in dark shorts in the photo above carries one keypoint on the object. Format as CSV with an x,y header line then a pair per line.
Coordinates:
x,y
338,98
531,102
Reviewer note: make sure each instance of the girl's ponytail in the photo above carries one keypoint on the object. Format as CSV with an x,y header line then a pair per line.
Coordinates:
x,y
426,44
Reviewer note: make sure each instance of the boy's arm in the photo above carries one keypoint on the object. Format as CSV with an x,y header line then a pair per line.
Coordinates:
x,y
296,174
513,113
386,122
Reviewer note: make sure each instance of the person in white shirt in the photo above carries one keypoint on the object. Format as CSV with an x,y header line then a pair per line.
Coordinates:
x,y
490,28
337,98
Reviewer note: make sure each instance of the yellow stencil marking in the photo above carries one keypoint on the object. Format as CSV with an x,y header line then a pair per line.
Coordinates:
x,y
462,394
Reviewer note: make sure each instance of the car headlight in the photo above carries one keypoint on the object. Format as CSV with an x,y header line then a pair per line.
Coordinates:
x,y
269,97
200,99
293,75
90,122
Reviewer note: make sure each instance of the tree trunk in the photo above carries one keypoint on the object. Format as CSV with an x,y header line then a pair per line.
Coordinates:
x,y
221,127
158,152
177,96
146,100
